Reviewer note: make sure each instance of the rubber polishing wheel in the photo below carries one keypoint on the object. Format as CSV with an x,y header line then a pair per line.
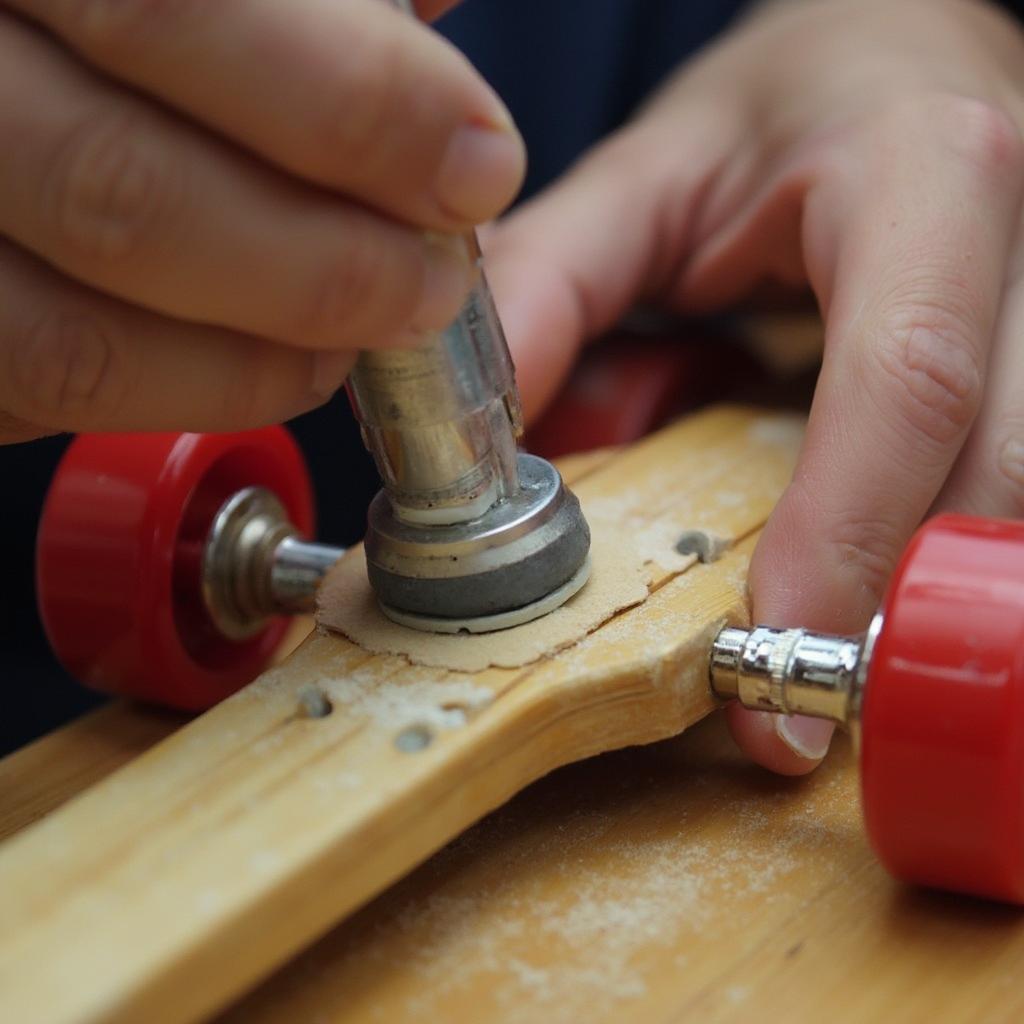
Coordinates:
x,y
119,553
942,757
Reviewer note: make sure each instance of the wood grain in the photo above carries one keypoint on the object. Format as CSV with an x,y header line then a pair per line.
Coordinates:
x,y
187,875
659,884
41,776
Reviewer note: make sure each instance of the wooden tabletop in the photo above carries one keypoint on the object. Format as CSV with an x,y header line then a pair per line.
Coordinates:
x,y
661,883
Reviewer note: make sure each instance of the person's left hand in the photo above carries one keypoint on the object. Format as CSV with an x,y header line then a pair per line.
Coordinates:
x,y
871,150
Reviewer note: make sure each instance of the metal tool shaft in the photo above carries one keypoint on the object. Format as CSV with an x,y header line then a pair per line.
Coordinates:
x,y
442,420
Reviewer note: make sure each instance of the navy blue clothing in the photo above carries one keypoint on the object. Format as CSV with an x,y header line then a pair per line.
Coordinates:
x,y
571,71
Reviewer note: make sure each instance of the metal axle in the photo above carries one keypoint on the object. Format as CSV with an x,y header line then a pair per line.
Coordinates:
x,y
793,671
256,565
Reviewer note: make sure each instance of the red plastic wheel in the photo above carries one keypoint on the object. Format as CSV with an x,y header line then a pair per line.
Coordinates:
x,y
118,559
942,757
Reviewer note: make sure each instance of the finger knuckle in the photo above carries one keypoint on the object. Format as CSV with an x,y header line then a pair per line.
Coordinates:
x,y
867,549
1010,463
927,350
108,191
69,363
976,131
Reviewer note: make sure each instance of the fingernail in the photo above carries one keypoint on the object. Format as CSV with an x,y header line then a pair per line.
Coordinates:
x,y
330,370
480,171
446,282
806,737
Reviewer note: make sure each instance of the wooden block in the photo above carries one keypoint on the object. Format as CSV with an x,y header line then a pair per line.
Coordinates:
x,y
637,886
181,879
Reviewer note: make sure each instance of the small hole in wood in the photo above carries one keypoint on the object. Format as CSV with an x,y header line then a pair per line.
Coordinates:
x,y
413,738
705,546
314,703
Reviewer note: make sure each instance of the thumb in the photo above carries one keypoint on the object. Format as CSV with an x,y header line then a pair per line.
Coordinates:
x,y
614,230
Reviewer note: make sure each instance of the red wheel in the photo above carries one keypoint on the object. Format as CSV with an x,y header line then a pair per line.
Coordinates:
x,y
942,760
119,551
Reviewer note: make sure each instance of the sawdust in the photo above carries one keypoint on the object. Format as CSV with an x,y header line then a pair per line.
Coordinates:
x,y
438,703
347,605
640,895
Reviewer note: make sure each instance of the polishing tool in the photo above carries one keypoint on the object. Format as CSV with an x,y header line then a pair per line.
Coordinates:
x,y
467,533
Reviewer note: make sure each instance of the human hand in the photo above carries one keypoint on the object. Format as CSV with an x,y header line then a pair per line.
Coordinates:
x,y
871,150
206,208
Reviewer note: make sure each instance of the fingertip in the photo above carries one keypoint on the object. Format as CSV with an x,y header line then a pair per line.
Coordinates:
x,y
482,170
447,278
786,745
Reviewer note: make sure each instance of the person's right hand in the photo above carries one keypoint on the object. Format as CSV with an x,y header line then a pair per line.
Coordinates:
x,y
205,209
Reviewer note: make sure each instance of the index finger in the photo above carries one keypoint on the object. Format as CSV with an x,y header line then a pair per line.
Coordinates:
x,y
355,96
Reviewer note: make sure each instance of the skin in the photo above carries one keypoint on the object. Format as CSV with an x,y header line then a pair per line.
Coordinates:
x,y
182,255
183,248
869,150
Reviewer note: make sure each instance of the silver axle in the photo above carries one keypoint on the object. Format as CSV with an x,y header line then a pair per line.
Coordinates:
x,y
256,565
793,671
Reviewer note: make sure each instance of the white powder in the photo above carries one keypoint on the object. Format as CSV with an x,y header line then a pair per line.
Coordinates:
x,y
437,703
611,911
659,892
